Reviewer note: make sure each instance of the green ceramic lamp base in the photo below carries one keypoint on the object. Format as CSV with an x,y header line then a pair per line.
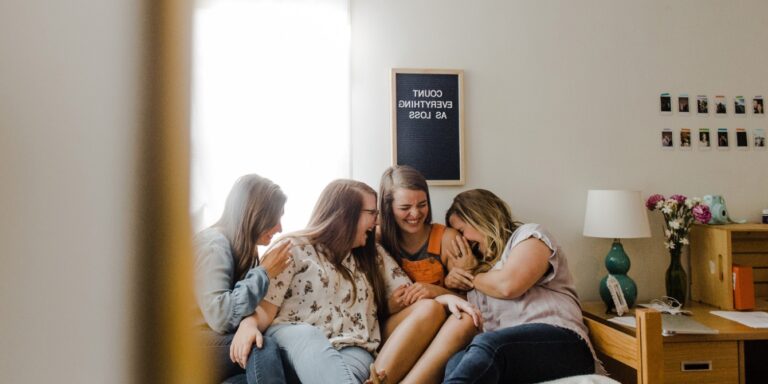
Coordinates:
x,y
617,263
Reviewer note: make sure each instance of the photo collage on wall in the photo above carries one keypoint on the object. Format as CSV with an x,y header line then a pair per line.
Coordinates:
x,y
712,133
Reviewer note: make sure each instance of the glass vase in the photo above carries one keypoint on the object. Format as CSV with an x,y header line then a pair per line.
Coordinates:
x,y
676,279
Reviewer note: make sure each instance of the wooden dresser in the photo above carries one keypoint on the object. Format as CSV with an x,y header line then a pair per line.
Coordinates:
x,y
737,354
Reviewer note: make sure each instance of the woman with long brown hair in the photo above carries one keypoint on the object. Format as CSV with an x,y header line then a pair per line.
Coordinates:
x,y
324,311
423,249
230,281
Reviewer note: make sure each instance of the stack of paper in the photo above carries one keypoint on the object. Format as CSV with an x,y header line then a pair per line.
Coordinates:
x,y
750,319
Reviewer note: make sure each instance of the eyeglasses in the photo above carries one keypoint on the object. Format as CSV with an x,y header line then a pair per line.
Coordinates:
x,y
374,212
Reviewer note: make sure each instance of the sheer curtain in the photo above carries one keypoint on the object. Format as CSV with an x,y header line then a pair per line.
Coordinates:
x,y
270,95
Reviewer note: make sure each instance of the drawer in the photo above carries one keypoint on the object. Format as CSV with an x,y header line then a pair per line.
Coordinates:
x,y
706,362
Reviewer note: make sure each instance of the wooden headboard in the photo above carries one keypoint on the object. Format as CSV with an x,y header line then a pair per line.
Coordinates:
x,y
642,351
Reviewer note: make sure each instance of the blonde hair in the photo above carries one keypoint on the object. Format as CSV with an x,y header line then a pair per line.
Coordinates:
x,y
254,205
398,176
490,216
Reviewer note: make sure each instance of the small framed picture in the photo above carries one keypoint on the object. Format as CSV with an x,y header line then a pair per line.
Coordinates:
x,y
758,138
702,105
739,107
741,138
667,141
722,137
665,103
682,103
685,138
704,141
720,108
757,105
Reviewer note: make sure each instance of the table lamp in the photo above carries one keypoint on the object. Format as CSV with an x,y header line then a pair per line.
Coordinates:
x,y
616,214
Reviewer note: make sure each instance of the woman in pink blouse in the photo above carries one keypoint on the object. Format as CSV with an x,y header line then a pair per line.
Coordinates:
x,y
533,329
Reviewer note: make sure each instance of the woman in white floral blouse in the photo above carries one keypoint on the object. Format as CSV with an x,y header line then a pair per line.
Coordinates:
x,y
324,309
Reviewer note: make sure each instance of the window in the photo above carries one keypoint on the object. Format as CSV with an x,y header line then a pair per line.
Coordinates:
x,y
270,95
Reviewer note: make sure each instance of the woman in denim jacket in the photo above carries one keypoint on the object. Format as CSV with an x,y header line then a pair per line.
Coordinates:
x,y
230,283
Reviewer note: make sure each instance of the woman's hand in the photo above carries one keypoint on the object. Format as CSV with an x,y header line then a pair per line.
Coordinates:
x,y
380,377
247,334
397,299
277,259
462,254
418,291
460,279
458,305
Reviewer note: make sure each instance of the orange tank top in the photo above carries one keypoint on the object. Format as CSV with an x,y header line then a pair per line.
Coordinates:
x,y
428,270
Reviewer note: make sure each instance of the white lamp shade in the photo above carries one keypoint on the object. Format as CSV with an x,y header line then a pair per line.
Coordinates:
x,y
616,214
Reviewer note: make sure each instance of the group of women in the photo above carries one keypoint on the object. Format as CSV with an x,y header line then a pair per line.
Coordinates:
x,y
373,291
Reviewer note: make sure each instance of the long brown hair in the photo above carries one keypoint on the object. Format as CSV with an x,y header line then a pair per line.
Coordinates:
x,y
332,229
491,216
398,176
254,205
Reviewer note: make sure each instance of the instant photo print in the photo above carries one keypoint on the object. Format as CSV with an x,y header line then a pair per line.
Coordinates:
x,y
666,139
720,108
741,138
682,104
666,103
739,107
722,138
704,140
758,138
702,104
685,138
757,105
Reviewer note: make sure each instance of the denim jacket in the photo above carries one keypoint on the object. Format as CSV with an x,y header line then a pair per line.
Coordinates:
x,y
221,301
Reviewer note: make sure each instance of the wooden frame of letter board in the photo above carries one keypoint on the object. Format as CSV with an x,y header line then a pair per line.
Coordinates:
x,y
460,74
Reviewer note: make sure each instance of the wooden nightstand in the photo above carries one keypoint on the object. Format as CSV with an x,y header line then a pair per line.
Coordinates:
x,y
738,354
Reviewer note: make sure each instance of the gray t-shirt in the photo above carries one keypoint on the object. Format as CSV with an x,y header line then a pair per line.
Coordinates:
x,y
221,301
552,300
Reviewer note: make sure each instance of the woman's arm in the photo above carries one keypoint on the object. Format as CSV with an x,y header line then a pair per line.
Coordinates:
x,y
395,280
459,264
418,291
250,332
528,261
222,305
265,314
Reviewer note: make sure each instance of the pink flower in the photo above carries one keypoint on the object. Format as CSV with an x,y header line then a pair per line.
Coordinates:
x,y
701,213
653,201
679,198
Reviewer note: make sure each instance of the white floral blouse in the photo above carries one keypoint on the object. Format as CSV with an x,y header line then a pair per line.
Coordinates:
x,y
312,291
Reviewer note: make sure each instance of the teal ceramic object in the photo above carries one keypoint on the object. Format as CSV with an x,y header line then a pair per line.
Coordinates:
x,y
617,263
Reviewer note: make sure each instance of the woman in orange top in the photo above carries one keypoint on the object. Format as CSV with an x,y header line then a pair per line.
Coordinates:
x,y
423,250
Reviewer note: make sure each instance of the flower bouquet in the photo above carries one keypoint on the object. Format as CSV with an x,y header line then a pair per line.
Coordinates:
x,y
679,213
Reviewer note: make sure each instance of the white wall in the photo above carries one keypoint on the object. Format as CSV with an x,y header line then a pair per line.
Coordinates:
x,y
562,97
70,87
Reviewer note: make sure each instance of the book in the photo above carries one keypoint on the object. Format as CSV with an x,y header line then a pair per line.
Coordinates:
x,y
743,287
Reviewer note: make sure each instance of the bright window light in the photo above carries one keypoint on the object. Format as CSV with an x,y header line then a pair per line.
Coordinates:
x,y
270,96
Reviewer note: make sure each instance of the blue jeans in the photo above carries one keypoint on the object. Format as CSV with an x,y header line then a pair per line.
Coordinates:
x,y
265,365
527,353
309,353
